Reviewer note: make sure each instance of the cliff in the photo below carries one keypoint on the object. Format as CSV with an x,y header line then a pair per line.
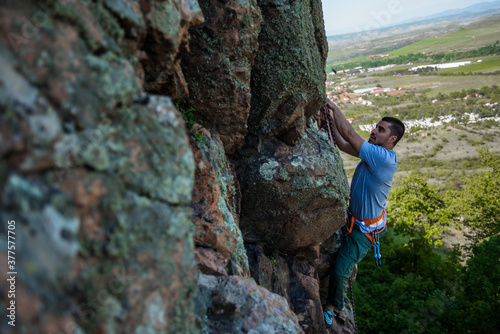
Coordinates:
x,y
162,169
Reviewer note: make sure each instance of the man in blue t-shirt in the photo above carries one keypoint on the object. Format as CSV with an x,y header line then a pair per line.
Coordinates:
x,y
370,187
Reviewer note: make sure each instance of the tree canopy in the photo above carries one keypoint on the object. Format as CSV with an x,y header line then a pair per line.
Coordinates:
x,y
478,204
416,210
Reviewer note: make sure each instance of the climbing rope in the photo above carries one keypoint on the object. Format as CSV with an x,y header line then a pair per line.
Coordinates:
x,y
353,308
329,123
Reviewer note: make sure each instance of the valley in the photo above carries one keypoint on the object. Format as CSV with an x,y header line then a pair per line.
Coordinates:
x,y
445,154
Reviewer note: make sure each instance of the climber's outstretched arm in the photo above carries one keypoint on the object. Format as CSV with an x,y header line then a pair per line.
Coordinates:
x,y
342,144
346,137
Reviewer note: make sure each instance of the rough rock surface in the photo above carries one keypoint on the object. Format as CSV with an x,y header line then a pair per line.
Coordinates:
x,y
292,196
216,205
288,74
219,65
230,310
302,278
96,175
164,42
117,212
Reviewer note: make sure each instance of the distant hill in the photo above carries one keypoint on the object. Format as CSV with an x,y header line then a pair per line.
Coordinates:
x,y
463,15
458,35
477,8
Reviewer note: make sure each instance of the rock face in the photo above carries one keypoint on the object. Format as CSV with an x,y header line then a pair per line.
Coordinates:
x,y
302,278
131,218
218,67
292,196
96,175
164,42
230,310
216,205
288,74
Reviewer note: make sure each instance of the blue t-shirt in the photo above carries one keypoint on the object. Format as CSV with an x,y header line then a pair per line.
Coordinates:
x,y
372,181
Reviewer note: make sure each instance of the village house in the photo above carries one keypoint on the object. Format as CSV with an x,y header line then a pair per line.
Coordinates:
x,y
379,55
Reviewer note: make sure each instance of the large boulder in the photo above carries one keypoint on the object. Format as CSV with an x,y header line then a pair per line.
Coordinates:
x,y
98,238
292,196
288,75
219,64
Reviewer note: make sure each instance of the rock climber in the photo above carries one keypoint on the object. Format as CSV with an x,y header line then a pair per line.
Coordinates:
x,y
370,185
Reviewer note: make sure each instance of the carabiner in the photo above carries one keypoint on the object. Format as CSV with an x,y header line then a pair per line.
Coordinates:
x,y
376,249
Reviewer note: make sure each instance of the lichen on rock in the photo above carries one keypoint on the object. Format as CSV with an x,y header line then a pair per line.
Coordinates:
x,y
118,211
216,206
218,67
288,73
97,175
293,196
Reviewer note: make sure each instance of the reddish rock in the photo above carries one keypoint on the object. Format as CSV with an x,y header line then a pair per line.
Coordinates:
x,y
216,203
210,262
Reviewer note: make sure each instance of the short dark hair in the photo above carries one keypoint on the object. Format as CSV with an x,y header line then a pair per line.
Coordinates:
x,y
397,127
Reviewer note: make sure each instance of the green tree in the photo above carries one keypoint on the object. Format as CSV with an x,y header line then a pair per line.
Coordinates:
x,y
479,300
391,299
478,204
416,211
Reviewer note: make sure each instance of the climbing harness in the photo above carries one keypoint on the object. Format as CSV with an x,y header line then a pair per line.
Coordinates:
x,y
373,236
329,123
353,308
366,222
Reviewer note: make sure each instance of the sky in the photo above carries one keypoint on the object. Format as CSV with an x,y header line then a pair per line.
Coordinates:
x,y
358,15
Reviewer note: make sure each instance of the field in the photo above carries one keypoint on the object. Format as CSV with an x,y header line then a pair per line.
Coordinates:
x,y
433,84
465,38
432,45
449,37
487,65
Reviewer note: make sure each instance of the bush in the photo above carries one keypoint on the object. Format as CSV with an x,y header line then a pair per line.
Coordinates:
x,y
475,142
396,298
479,299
